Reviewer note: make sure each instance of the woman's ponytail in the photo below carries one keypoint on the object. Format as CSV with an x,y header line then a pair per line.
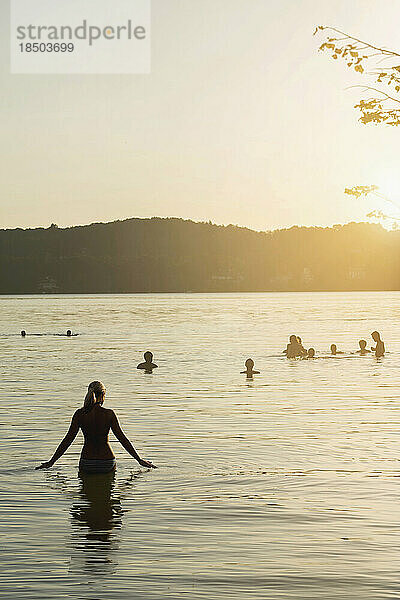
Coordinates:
x,y
95,395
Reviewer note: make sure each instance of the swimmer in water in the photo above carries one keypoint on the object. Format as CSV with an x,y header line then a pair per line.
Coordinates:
x,y
363,348
249,364
302,350
95,421
293,349
310,353
148,365
379,349
334,350
23,333
67,334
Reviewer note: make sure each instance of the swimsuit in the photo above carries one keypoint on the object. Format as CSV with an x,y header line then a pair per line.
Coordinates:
x,y
90,465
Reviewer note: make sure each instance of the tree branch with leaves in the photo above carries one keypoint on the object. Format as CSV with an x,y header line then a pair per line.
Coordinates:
x,y
367,59
365,190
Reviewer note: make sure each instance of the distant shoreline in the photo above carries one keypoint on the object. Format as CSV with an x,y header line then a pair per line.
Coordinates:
x,y
157,256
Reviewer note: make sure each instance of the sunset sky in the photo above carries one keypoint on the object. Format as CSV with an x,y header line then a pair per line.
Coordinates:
x,y
241,121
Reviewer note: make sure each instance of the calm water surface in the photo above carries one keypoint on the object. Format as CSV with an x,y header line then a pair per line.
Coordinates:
x,y
283,487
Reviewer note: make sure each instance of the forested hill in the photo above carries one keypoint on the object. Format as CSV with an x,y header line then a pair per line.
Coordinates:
x,y
173,255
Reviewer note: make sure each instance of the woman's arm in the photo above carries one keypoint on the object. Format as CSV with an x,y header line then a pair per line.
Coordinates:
x,y
121,437
66,442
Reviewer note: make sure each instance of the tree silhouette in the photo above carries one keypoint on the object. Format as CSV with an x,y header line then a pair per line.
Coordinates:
x,y
380,65
173,255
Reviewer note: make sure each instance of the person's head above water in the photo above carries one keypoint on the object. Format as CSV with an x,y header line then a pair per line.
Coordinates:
x,y
311,353
69,333
293,339
148,365
249,364
148,356
95,395
362,344
333,348
376,336
23,333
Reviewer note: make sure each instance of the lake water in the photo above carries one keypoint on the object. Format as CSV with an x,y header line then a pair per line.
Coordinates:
x,y
283,487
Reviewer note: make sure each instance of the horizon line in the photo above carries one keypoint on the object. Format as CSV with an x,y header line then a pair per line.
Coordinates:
x,y
189,220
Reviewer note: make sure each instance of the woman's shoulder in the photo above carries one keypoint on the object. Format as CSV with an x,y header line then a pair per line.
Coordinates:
x,y
109,412
78,414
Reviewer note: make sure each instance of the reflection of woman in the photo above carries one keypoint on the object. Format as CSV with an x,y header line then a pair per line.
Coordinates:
x,y
95,422
99,512
93,518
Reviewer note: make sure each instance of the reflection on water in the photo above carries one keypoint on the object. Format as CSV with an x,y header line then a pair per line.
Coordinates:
x,y
96,515
281,487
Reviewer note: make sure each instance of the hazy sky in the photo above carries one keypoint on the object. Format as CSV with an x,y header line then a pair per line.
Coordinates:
x,y
241,121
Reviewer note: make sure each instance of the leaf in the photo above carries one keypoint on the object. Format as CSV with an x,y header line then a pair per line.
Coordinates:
x,y
318,28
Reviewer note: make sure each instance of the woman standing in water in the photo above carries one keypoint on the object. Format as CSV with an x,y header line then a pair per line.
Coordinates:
x,y
95,422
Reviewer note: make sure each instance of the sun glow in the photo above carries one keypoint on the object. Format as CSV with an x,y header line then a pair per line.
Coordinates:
x,y
379,205
389,190
384,202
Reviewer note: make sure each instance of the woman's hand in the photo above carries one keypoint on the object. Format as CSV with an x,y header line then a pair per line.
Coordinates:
x,y
45,465
144,463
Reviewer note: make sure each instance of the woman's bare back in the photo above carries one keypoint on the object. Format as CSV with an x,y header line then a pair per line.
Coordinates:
x,y
95,426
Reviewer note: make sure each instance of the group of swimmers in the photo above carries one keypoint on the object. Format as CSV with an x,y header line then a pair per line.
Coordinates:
x,y
295,348
68,334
